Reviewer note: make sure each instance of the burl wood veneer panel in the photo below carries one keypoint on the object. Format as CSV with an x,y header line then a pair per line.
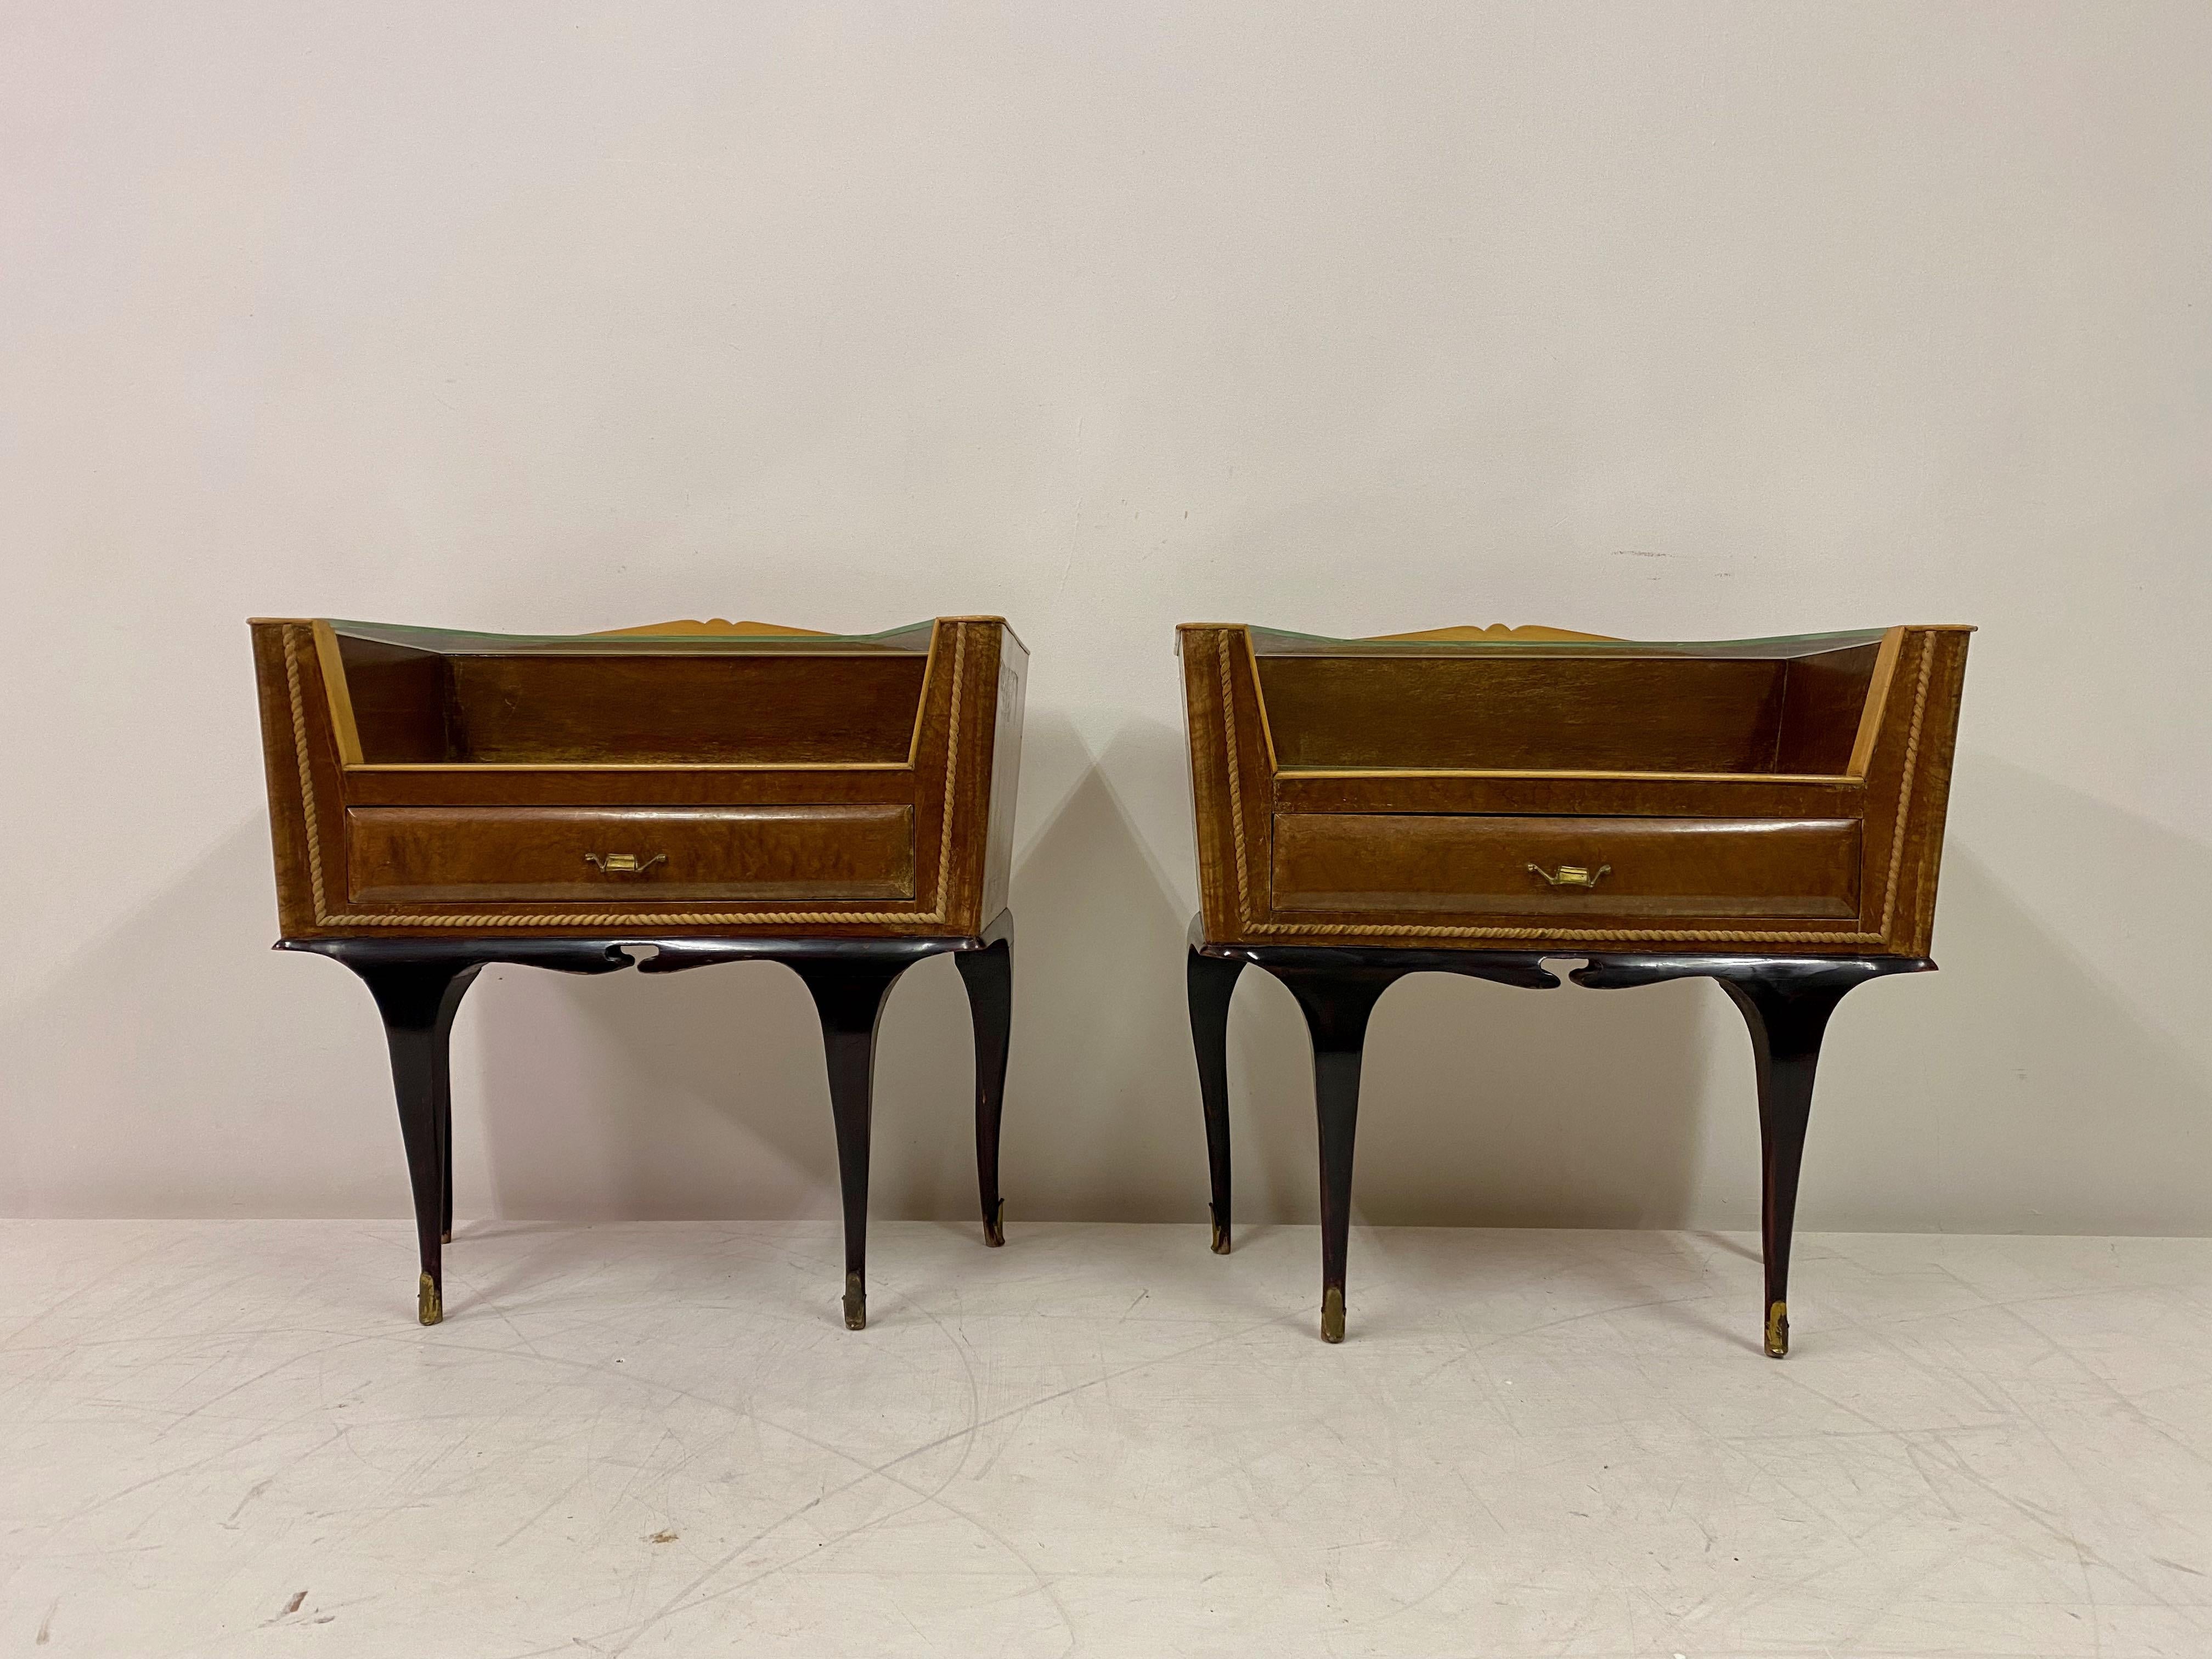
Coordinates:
x,y
625,855
1484,715
1471,865
1786,803
843,789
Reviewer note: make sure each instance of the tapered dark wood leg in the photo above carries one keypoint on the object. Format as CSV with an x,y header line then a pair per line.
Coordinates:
x,y
418,1000
1787,1014
849,996
1786,1002
1336,1002
441,1106
1211,982
989,975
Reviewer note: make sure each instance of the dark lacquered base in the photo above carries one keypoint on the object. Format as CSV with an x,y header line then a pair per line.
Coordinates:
x,y
418,984
1785,1001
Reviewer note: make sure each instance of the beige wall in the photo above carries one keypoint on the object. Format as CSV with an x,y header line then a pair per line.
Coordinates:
x,y
1665,320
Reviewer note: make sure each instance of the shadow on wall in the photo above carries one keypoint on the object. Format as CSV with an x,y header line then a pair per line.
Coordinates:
x,y
1101,1100
1486,1105
699,1094
702,1093
175,1065
2024,1088
1104,1119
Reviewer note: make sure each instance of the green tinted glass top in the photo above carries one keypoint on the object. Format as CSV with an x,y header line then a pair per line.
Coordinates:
x,y
460,642
1281,642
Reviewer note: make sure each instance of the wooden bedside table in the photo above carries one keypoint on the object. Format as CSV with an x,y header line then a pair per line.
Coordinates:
x,y
1767,813
719,791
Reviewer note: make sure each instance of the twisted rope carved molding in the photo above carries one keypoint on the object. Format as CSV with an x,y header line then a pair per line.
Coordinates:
x,y
1249,923
325,918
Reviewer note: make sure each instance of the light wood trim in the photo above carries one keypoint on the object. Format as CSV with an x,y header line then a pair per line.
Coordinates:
x,y
1248,923
921,702
1258,701
631,766
1467,633
1885,673
327,659
713,626
994,622
511,919
1623,777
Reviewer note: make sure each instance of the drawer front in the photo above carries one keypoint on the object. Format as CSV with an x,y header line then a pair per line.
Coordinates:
x,y
1586,867
491,854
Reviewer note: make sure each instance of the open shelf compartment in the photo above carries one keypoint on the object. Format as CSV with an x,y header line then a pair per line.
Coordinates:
x,y
403,697
1805,706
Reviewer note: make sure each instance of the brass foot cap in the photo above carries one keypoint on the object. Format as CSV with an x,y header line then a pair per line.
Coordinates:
x,y
1332,1315
995,1225
1778,1330
428,1307
856,1303
1221,1237
446,1237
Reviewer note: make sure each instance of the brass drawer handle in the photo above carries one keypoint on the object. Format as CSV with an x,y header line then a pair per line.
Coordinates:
x,y
1572,875
623,864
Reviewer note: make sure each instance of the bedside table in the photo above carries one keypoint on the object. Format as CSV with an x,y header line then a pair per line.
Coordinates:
x,y
1767,813
717,791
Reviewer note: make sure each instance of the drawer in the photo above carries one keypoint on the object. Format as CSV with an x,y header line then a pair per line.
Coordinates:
x,y
1483,864
495,855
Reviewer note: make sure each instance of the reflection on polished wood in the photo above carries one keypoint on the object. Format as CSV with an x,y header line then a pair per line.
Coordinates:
x,y
427,784
1496,631
722,792
1780,795
712,625
1766,813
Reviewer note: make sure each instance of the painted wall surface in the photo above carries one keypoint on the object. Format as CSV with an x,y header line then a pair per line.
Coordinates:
x,y
1672,320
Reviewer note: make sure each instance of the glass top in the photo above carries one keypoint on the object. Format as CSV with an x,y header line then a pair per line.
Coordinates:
x,y
1501,642
663,639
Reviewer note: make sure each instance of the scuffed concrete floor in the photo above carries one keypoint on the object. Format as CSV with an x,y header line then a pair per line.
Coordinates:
x,y
232,1438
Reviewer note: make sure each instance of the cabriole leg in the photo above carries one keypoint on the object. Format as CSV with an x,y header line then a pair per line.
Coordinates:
x,y
1210,981
1787,1014
418,1000
1337,1003
441,1108
989,975
849,997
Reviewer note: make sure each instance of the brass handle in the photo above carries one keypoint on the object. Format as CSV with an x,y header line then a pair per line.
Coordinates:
x,y
1572,875
623,864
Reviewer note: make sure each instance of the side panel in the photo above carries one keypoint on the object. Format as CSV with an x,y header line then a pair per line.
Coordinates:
x,y
1908,787
402,700
1939,737
1004,760
296,909
1230,806
1823,697
952,835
